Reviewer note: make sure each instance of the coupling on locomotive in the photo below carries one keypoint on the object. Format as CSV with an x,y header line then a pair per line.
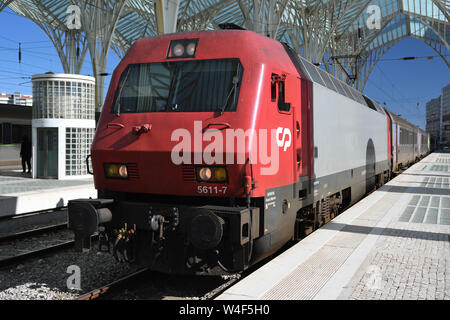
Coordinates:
x,y
214,149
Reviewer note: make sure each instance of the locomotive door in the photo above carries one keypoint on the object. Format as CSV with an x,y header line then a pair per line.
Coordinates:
x,y
297,140
281,216
297,121
284,88
293,106
305,115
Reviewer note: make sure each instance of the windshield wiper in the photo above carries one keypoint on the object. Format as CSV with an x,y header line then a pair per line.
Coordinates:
x,y
171,101
120,92
233,89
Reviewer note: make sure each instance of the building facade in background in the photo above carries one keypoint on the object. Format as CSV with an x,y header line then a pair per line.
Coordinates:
x,y
17,99
445,107
63,124
438,119
15,122
433,115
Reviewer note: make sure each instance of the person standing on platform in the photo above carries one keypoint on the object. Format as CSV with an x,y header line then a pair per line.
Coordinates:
x,y
25,153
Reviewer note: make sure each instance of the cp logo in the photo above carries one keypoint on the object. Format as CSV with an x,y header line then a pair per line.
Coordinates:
x,y
283,142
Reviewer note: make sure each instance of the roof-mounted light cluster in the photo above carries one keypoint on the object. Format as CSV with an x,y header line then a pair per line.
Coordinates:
x,y
183,48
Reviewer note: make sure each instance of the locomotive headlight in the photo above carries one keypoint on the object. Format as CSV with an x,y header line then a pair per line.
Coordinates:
x,y
204,174
123,172
112,170
190,48
214,174
178,50
182,48
220,174
116,170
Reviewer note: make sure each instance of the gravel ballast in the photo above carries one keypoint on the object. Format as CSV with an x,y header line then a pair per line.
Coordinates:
x,y
46,278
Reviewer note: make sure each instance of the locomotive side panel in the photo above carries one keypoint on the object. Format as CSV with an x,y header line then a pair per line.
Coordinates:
x,y
350,144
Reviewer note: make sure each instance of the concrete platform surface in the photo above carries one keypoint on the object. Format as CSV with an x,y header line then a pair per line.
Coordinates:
x,y
20,194
393,244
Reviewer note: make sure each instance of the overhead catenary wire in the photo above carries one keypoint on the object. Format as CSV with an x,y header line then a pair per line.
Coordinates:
x,y
414,58
37,54
387,94
16,42
393,84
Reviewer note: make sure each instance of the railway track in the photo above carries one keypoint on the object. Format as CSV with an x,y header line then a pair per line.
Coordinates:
x,y
35,253
26,247
144,283
114,285
55,246
217,291
31,233
11,226
139,282
17,252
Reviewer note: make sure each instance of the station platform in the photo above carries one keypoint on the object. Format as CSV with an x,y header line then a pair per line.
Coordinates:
x,y
393,244
20,194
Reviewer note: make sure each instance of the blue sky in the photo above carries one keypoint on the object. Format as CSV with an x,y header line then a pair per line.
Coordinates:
x,y
401,84
38,54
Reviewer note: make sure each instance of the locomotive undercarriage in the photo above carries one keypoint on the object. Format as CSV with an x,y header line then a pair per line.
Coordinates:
x,y
314,216
189,235
320,212
168,238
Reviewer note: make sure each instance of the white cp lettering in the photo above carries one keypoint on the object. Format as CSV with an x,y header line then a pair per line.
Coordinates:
x,y
283,143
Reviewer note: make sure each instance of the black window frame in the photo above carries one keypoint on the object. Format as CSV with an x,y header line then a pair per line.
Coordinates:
x,y
273,87
282,105
234,97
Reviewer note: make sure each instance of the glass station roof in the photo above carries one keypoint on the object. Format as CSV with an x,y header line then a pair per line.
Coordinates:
x,y
316,29
427,19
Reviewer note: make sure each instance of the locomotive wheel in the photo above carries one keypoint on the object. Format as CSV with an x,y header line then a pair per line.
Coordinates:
x,y
334,211
309,228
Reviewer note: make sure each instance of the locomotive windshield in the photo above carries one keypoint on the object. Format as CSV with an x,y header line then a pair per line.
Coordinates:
x,y
180,86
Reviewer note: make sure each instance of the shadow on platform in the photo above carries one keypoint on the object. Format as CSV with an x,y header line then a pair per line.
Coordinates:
x,y
418,190
404,233
427,175
15,171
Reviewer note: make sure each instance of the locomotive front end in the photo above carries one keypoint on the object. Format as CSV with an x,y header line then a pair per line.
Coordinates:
x,y
171,160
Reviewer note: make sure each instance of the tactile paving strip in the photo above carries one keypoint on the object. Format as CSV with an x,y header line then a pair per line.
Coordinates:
x,y
433,182
427,209
443,160
437,167
311,278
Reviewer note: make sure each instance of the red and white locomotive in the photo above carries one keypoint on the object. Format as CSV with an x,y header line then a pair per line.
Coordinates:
x,y
216,148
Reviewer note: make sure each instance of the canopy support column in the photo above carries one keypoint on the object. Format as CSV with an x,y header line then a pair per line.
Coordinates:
x,y
166,13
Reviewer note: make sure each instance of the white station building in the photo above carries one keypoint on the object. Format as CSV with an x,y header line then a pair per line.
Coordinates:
x,y
63,125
